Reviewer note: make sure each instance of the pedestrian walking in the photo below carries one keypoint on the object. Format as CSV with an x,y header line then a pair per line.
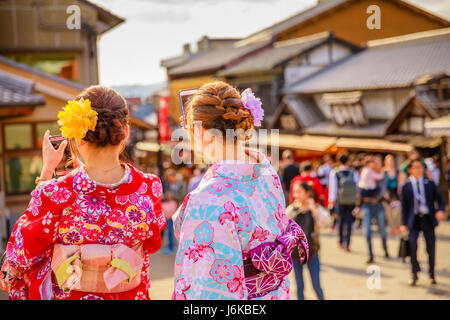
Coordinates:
x,y
304,211
420,213
177,189
323,172
343,198
373,187
392,203
404,174
289,172
308,175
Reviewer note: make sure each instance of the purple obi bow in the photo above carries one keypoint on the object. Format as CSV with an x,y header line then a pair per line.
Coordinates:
x,y
266,265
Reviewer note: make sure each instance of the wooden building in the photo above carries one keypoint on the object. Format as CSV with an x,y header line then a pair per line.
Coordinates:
x,y
23,124
29,103
35,33
346,19
266,72
378,99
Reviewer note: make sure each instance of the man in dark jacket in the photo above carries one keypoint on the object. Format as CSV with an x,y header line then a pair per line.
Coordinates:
x,y
290,171
419,213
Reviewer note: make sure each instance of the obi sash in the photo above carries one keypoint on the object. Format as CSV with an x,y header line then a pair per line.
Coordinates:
x,y
97,268
266,265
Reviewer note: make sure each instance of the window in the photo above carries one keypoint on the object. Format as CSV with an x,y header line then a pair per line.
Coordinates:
x,y
288,122
416,124
346,108
62,65
21,172
349,114
22,156
18,136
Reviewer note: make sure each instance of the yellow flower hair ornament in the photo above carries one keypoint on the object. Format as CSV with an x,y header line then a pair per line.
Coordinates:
x,y
76,119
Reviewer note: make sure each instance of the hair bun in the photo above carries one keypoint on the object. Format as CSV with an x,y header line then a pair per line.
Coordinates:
x,y
112,115
219,106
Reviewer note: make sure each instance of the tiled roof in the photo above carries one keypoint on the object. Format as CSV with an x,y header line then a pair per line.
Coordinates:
x,y
105,15
388,63
16,91
321,8
174,61
304,109
375,129
297,19
277,54
216,59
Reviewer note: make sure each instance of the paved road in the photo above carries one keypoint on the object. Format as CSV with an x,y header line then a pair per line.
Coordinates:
x,y
344,274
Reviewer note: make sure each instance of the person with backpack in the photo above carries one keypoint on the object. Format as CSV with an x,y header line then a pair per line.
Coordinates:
x,y
343,198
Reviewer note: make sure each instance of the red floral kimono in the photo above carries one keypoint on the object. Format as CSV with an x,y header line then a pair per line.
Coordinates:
x,y
74,210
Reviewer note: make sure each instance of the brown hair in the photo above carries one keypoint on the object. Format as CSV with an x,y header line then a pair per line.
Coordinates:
x,y
219,106
112,115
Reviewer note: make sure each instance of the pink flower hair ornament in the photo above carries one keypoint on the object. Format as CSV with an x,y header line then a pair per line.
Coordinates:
x,y
253,104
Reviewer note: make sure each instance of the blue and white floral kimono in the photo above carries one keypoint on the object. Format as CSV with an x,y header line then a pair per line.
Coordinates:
x,y
237,207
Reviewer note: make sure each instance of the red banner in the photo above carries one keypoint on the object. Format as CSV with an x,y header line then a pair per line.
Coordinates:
x,y
163,119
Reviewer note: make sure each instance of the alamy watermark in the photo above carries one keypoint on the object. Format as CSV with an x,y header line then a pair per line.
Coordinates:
x,y
374,280
73,21
374,20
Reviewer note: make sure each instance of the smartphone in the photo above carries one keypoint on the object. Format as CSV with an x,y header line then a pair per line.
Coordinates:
x,y
185,96
66,165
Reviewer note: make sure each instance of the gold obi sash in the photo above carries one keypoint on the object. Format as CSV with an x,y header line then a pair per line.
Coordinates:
x,y
97,268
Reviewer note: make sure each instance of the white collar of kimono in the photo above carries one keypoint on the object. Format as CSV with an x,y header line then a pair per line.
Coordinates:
x,y
242,170
125,178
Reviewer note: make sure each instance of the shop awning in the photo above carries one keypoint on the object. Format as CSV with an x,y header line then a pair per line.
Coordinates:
x,y
305,142
139,123
416,140
148,146
373,145
342,98
439,127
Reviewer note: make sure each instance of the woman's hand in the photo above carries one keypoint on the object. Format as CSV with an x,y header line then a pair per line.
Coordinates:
x,y
51,157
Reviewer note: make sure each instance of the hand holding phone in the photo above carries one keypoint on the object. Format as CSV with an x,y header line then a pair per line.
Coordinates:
x,y
55,154
184,96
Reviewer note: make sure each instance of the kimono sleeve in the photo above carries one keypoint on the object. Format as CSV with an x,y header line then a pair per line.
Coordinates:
x,y
156,191
153,243
209,259
36,230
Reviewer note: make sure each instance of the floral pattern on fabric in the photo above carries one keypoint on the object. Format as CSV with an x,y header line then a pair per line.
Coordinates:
x,y
74,210
236,207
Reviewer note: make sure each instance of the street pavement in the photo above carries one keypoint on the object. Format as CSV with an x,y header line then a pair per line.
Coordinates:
x,y
345,275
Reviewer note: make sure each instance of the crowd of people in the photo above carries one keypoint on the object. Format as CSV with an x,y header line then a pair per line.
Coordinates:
x,y
359,191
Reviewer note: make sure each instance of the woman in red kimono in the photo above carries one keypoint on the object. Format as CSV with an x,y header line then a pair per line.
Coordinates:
x,y
88,234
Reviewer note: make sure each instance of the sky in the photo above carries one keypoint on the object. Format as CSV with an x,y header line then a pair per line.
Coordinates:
x,y
156,29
